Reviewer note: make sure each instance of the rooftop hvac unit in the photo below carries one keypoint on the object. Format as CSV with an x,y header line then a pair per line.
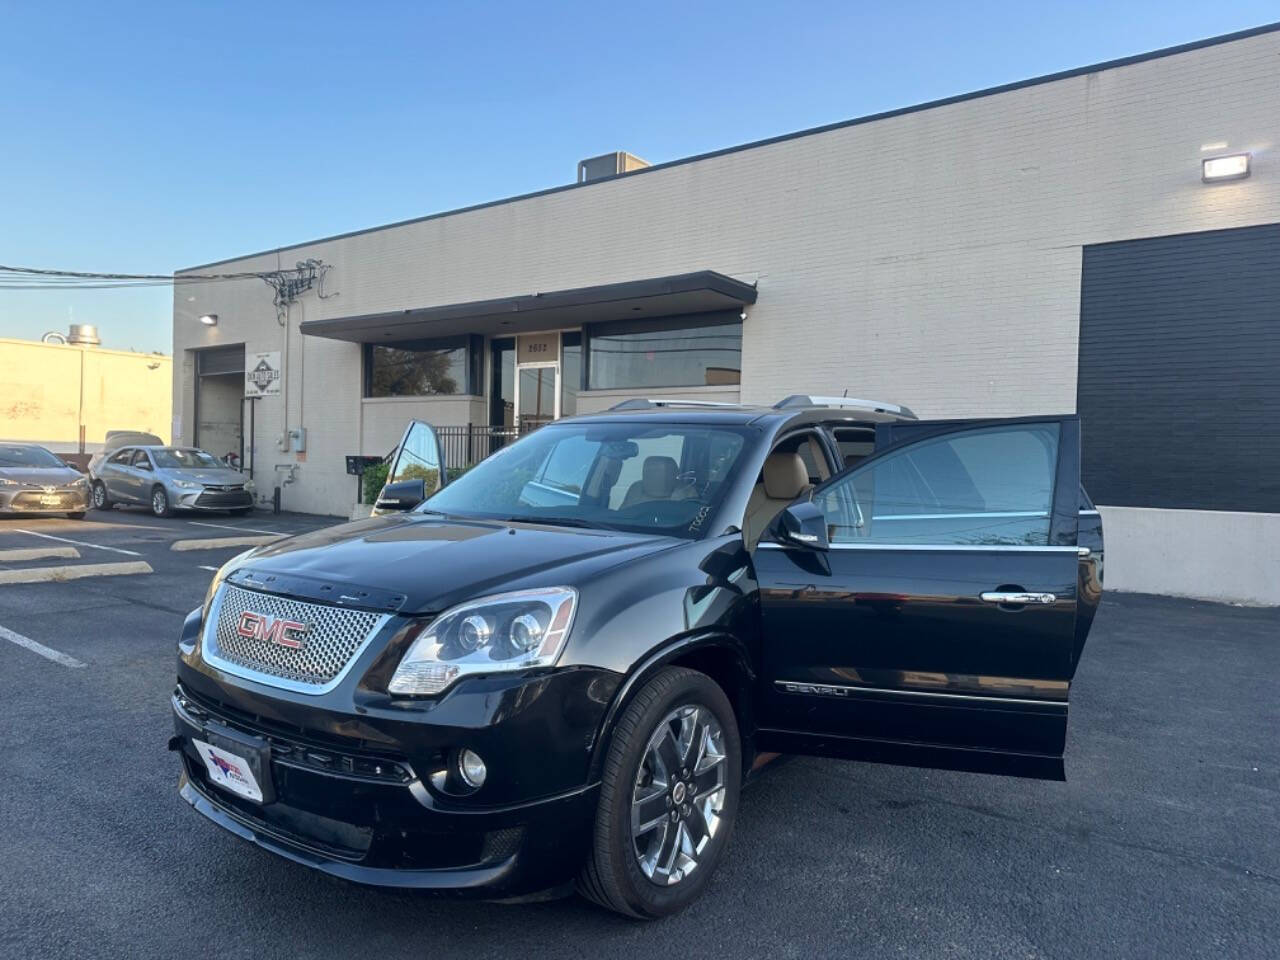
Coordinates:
x,y
84,335
609,165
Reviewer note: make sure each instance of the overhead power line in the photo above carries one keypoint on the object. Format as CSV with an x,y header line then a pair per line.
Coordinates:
x,y
39,278
287,283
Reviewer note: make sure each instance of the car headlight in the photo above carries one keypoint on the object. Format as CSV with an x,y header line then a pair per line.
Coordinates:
x,y
188,484
250,486
504,632
6,482
79,483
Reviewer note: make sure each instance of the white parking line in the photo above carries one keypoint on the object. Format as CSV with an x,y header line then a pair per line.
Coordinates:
x,y
47,652
79,543
219,543
75,572
227,526
39,553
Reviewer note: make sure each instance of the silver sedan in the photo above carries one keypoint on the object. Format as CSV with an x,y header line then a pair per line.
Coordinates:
x,y
167,479
33,480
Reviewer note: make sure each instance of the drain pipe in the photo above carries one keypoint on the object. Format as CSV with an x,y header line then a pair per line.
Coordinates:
x,y
291,474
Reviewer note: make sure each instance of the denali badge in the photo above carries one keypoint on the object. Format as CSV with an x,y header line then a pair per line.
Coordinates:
x,y
258,626
820,689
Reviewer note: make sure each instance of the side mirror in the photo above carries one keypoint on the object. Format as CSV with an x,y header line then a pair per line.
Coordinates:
x,y
404,495
801,525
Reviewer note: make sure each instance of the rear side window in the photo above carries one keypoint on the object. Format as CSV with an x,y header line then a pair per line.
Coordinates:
x,y
855,444
122,458
985,486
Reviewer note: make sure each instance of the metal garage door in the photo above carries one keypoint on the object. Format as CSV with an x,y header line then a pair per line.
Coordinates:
x,y
1179,379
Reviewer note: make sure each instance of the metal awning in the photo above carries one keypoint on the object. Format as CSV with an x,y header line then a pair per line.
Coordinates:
x,y
701,292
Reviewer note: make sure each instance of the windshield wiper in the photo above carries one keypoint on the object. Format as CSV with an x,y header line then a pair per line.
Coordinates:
x,y
559,522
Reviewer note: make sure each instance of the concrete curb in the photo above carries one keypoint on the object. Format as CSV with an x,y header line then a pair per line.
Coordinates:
x,y
219,543
39,553
77,572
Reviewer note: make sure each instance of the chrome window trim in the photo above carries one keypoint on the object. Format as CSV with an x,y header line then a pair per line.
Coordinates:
x,y
209,653
949,547
1090,513
959,516
894,691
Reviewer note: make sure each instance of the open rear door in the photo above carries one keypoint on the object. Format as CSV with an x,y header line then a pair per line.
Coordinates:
x,y
936,626
418,470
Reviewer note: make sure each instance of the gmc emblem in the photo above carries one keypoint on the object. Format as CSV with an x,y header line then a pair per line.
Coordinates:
x,y
286,633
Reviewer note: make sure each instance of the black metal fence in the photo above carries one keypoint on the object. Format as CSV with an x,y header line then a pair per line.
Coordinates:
x,y
465,446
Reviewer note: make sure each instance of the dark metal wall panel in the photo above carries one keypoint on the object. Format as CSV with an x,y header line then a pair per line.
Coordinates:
x,y
1179,376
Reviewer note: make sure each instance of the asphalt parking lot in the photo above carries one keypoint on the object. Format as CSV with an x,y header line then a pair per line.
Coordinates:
x,y
1163,843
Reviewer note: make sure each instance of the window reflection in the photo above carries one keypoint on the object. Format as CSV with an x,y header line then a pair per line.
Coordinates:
x,y
709,355
415,369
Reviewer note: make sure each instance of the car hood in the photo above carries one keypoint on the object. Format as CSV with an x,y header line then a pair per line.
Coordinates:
x,y
212,475
41,476
421,564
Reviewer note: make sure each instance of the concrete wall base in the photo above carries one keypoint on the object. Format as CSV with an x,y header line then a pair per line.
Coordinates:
x,y
1206,554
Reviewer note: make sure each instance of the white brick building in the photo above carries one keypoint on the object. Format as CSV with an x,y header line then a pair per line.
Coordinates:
x,y
955,256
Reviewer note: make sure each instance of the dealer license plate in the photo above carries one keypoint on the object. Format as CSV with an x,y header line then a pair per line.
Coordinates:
x,y
50,500
230,771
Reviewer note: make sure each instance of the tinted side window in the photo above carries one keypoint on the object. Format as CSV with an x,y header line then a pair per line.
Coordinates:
x,y
570,461
122,458
418,457
991,485
855,444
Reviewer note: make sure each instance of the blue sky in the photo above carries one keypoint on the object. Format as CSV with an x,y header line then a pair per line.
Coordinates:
x,y
144,138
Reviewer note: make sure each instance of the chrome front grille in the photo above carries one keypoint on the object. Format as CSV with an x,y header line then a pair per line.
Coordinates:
x,y
312,659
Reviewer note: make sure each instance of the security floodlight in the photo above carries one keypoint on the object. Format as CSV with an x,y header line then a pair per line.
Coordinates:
x,y
1233,167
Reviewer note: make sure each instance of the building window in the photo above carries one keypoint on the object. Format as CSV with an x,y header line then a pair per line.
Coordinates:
x,y
690,351
421,368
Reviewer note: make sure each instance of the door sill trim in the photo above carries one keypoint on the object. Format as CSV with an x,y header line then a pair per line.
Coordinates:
x,y
806,688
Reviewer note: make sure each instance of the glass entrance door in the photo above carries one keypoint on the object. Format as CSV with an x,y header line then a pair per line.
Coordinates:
x,y
537,379
537,395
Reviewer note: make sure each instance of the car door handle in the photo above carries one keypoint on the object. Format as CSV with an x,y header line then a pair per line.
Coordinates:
x,y
1012,596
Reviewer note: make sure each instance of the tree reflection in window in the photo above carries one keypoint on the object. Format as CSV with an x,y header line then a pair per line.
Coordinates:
x,y
408,371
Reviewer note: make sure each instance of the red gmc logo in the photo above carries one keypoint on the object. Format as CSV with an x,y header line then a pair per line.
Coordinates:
x,y
286,633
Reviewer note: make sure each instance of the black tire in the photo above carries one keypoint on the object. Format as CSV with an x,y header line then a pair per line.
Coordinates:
x,y
160,502
78,515
612,876
100,499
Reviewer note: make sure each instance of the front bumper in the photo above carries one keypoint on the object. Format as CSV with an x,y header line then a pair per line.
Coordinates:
x,y
37,500
350,789
211,499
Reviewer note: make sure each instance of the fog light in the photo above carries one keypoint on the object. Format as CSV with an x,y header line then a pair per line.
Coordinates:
x,y
472,769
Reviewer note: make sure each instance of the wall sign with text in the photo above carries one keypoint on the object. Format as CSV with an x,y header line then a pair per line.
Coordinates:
x,y
262,374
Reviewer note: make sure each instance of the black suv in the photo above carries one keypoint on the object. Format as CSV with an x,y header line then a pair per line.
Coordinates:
x,y
563,665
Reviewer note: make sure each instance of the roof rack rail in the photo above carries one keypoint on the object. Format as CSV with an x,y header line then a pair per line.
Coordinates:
x,y
849,403
643,403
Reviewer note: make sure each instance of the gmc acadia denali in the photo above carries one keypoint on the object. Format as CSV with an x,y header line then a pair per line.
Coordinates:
x,y
561,666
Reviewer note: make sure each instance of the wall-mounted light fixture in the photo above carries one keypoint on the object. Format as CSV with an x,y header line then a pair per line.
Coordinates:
x,y
1233,167
209,319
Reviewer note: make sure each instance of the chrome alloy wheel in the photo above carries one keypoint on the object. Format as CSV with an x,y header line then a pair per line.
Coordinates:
x,y
679,794
159,503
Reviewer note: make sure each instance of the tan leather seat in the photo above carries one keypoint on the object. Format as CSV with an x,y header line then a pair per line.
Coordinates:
x,y
657,482
783,479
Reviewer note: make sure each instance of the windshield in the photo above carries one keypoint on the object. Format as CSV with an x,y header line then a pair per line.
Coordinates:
x,y
13,455
172,457
662,478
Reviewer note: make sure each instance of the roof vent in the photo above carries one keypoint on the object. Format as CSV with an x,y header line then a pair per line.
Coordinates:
x,y
609,165
84,335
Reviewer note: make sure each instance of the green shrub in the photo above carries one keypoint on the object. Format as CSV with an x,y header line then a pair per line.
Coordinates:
x,y
375,477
